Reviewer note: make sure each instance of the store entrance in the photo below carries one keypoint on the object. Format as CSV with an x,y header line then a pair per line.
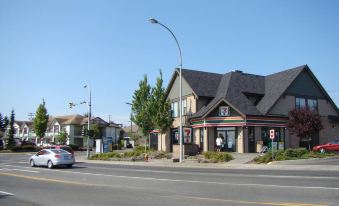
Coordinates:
x,y
228,136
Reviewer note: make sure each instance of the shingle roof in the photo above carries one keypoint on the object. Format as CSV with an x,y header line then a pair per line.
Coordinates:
x,y
233,87
204,84
275,85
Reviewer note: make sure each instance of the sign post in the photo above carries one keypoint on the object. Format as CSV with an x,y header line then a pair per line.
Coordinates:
x,y
272,135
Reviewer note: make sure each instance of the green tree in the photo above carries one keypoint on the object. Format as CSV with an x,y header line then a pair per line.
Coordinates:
x,y
6,122
141,107
62,137
97,134
161,107
304,123
1,123
10,141
41,120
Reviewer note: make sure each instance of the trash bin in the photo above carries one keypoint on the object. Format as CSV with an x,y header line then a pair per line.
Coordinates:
x,y
260,145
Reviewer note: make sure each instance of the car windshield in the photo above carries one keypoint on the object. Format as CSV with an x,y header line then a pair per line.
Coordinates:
x,y
59,151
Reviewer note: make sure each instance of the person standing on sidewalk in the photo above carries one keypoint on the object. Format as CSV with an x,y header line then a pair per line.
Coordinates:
x,y
219,142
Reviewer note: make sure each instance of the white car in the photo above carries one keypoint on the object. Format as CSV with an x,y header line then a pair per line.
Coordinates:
x,y
51,158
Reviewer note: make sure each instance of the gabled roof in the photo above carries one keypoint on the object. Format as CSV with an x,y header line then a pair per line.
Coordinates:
x,y
71,119
275,86
231,89
203,84
234,86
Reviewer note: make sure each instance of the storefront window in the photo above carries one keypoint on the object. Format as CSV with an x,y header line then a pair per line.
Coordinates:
x,y
175,136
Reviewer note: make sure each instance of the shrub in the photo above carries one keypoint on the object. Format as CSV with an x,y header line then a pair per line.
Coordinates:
x,y
298,153
105,156
74,147
133,154
25,148
290,154
218,156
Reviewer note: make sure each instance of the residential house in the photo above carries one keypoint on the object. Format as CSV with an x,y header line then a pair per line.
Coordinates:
x,y
73,125
243,108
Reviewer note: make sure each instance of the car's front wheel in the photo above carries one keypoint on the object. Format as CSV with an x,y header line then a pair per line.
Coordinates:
x,y
31,162
50,164
69,166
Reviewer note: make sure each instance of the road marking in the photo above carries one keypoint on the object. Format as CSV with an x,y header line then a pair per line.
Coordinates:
x,y
45,179
250,202
197,181
225,174
176,196
6,193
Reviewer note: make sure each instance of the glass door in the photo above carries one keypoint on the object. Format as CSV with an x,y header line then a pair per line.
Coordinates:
x,y
230,140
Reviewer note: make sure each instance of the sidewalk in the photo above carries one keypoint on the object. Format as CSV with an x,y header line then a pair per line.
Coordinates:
x,y
238,163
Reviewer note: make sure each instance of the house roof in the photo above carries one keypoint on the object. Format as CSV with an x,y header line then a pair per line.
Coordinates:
x,y
204,84
71,119
233,88
275,85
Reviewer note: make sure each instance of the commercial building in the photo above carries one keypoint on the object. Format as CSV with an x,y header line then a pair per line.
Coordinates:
x,y
243,108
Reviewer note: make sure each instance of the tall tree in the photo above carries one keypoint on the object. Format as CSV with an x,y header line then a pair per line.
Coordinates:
x,y
304,123
6,122
1,123
41,120
62,137
97,133
10,141
141,107
161,107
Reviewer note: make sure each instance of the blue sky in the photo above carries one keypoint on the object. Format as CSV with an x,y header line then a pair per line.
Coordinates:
x,y
50,49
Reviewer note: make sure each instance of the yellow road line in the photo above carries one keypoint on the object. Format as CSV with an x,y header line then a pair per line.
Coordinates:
x,y
188,197
252,203
46,180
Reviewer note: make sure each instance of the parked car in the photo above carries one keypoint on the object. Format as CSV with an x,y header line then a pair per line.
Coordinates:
x,y
331,146
51,158
64,147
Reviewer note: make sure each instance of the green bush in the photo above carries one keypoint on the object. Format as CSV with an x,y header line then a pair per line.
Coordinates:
x,y
133,154
74,147
25,148
291,154
298,153
218,156
105,156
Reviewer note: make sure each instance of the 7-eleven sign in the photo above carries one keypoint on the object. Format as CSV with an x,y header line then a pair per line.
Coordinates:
x,y
187,135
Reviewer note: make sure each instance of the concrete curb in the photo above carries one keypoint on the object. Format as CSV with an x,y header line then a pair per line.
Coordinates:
x,y
217,165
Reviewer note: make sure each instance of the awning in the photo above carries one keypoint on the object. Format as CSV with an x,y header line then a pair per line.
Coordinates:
x,y
333,118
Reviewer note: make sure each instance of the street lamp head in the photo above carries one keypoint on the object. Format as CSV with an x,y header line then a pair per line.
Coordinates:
x,y
85,86
153,21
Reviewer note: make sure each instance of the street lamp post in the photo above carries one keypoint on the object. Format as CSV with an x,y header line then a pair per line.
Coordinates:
x,y
154,21
89,118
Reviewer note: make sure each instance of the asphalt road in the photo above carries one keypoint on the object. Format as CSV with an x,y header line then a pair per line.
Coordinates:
x,y
105,184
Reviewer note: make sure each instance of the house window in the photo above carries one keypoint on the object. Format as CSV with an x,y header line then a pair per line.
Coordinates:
x,y
184,107
300,103
56,128
175,109
312,104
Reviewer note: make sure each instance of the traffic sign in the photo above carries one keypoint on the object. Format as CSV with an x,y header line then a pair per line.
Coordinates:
x,y
272,134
